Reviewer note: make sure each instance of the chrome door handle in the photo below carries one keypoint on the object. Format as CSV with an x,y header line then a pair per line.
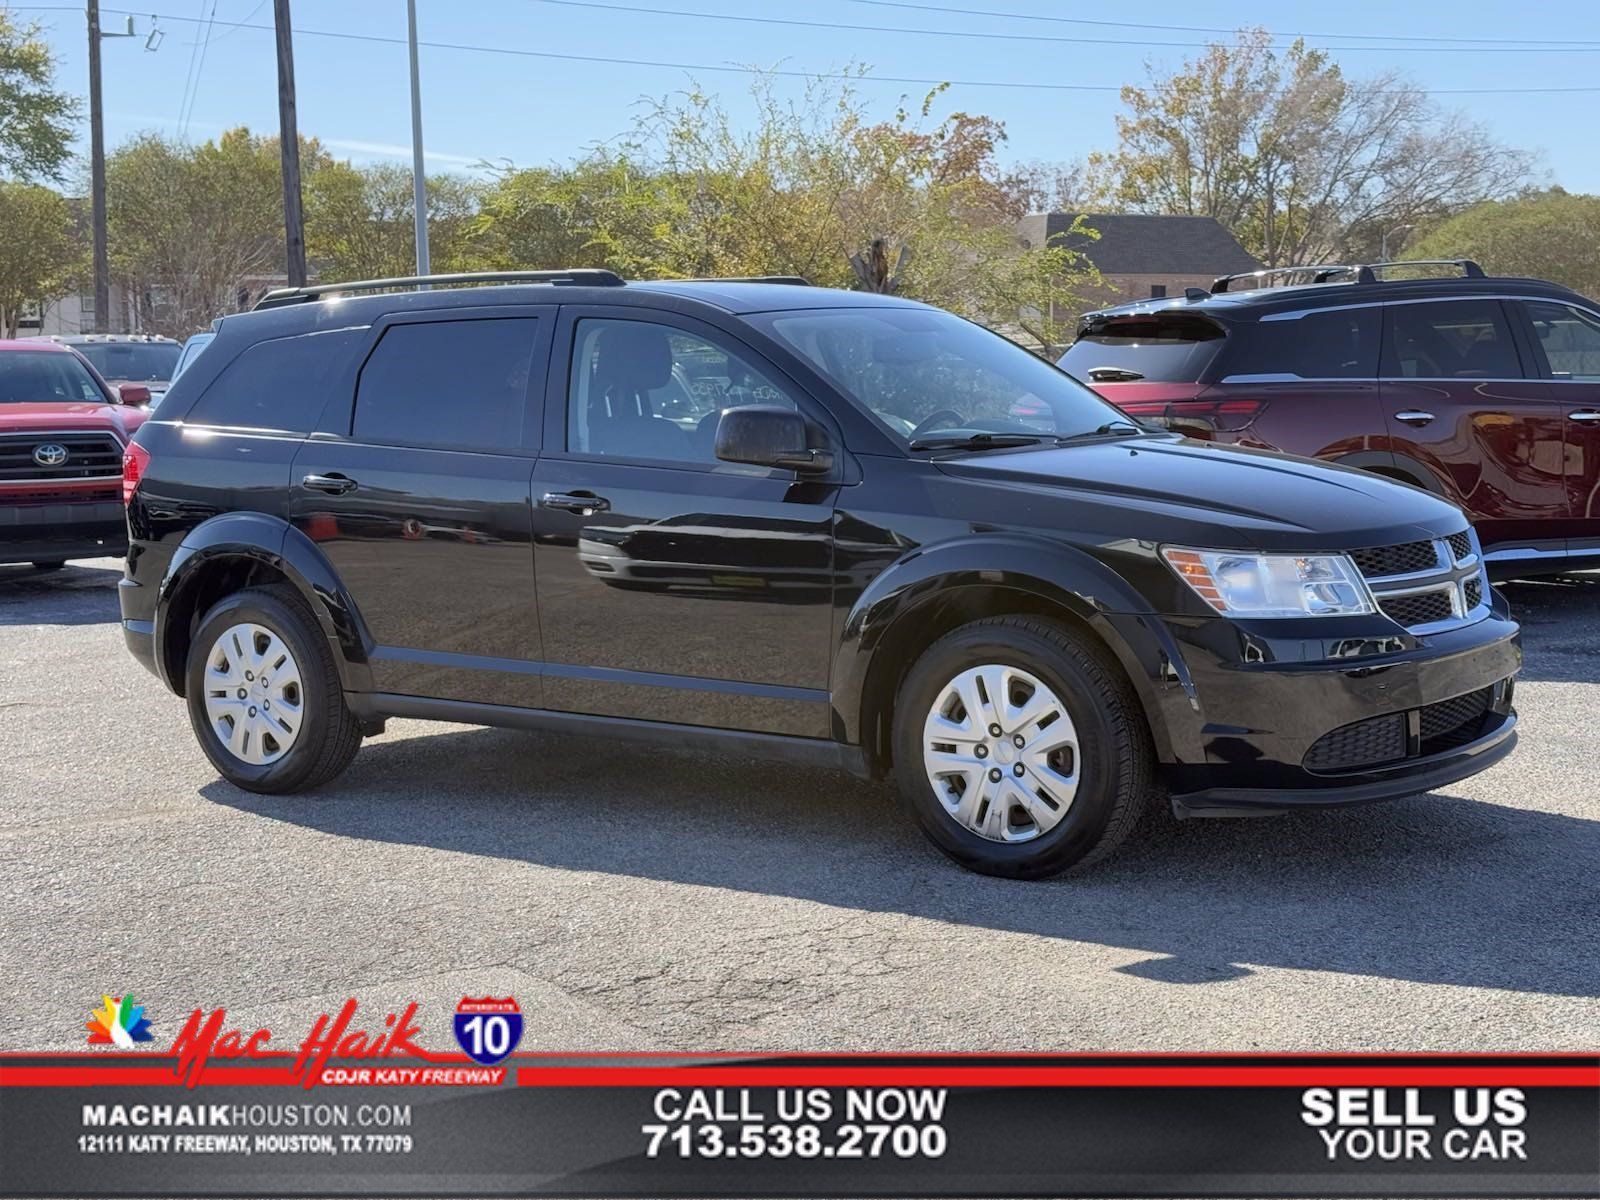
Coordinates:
x,y
1588,416
1414,416
334,484
583,503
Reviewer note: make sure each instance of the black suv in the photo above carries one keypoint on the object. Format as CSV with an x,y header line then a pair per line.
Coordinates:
x,y
816,525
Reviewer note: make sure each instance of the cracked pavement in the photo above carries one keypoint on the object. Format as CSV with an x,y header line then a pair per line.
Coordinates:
x,y
634,899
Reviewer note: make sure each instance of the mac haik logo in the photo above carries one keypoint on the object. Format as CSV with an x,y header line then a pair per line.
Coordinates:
x,y
206,1037
488,1029
119,1023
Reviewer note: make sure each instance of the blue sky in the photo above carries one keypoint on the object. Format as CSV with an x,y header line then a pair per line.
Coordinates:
x,y
529,109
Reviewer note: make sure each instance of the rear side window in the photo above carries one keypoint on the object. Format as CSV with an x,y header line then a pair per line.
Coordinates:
x,y
1338,343
1163,347
1462,339
451,385
278,385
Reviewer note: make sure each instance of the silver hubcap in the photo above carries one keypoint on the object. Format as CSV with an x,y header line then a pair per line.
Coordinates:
x,y
1001,753
253,695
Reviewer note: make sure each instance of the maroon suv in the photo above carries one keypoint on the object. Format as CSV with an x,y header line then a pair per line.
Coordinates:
x,y
1482,390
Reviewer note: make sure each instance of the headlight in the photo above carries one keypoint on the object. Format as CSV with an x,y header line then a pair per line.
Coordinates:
x,y
1272,585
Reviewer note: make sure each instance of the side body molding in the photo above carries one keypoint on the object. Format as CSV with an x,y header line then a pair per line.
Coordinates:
x,y
1059,575
272,542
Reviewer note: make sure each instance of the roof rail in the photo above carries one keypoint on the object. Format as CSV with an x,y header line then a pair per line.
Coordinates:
x,y
1362,272
574,277
798,280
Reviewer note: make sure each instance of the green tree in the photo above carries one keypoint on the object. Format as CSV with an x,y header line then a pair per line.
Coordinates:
x,y
1551,234
360,222
40,253
193,226
1298,161
35,119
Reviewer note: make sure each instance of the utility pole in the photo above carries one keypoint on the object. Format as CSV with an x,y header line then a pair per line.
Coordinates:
x,y
97,170
419,181
294,236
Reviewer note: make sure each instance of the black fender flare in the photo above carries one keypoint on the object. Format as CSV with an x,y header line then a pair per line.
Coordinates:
x,y
1062,576
274,543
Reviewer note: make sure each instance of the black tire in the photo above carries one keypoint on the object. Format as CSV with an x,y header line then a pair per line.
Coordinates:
x,y
329,735
1115,759
49,564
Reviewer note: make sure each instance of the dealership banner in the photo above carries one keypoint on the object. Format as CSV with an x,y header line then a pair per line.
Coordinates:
x,y
356,1107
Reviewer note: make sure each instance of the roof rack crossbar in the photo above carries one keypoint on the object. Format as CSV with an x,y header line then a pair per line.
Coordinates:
x,y
574,277
1362,272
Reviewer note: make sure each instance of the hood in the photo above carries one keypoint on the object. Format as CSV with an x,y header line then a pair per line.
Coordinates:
x,y
1169,489
57,416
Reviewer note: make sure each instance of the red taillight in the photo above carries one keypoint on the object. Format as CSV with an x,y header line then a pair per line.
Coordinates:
x,y
1224,415
134,460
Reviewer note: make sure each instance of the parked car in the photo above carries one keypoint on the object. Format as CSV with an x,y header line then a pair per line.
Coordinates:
x,y
1483,391
138,358
420,504
63,430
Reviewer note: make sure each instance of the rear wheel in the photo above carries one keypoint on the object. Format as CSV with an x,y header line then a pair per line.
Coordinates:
x,y
264,695
1019,749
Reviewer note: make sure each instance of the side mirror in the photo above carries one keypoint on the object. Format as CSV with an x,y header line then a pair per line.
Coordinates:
x,y
767,436
133,393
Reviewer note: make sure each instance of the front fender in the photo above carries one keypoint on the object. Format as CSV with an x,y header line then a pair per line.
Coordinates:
x,y
273,543
1064,577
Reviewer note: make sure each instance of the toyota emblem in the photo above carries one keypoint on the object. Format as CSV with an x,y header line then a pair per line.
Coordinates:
x,y
50,454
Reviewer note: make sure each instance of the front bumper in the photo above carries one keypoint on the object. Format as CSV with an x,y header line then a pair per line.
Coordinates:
x,y
1252,718
38,532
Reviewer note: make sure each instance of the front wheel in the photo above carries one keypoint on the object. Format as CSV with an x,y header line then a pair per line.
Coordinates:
x,y
1019,749
264,695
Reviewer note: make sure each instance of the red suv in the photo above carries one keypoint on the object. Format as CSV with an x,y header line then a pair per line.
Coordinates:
x,y
63,431
1481,390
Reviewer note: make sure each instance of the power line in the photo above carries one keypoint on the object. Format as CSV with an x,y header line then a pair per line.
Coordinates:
x,y
991,35
199,71
1362,37
188,75
1007,84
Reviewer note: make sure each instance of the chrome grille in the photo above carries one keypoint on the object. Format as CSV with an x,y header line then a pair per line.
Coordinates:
x,y
1427,586
25,457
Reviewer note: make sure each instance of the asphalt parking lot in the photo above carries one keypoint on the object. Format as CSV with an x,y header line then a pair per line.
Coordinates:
x,y
633,899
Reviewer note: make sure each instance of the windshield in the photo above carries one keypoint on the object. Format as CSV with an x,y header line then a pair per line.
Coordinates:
x,y
137,362
929,375
1158,347
33,376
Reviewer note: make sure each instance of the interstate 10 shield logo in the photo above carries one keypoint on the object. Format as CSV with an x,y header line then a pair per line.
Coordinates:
x,y
488,1029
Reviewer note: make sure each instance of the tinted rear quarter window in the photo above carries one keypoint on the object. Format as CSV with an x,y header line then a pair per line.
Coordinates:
x,y
1163,347
1337,343
278,385
448,384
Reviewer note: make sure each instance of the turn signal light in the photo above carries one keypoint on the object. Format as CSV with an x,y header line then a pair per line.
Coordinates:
x,y
134,460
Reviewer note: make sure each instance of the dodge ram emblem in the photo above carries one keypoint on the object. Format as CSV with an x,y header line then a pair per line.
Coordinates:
x,y
50,454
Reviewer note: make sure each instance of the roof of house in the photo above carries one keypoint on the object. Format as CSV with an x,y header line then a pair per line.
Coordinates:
x,y
1147,244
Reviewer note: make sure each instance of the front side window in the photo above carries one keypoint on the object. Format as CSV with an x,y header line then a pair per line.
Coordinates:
x,y
919,371
1465,339
643,390
448,385
1569,337
34,376
136,362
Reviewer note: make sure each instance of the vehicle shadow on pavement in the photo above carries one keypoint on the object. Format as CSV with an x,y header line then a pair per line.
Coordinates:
x,y
1435,889
71,596
1560,618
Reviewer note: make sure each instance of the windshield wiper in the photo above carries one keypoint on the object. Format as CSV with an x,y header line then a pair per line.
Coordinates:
x,y
976,441
1114,375
1109,429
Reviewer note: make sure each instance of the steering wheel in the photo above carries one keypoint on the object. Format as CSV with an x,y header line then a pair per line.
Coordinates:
x,y
934,420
